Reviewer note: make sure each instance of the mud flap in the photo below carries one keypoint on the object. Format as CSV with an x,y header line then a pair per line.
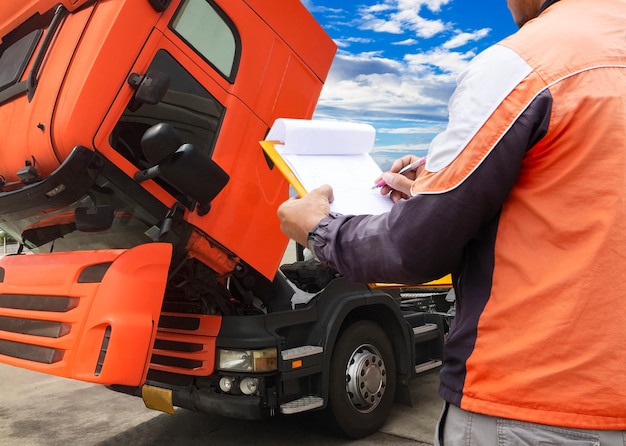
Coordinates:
x,y
87,315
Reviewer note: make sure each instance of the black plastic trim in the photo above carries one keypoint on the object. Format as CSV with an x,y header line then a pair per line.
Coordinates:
x,y
13,92
75,175
28,352
31,82
237,406
54,304
94,273
159,5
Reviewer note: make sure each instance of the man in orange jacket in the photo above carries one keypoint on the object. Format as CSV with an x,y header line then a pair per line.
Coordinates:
x,y
523,200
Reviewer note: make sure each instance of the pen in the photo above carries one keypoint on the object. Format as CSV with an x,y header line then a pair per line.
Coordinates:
x,y
414,165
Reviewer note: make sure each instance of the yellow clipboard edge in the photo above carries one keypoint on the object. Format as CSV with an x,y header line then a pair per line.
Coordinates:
x,y
443,282
270,149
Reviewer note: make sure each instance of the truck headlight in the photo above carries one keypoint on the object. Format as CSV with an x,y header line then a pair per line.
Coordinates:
x,y
247,360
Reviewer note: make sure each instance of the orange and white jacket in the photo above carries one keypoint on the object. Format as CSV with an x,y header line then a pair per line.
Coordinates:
x,y
524,201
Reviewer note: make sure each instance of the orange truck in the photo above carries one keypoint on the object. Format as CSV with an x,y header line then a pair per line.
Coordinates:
x,y
132,176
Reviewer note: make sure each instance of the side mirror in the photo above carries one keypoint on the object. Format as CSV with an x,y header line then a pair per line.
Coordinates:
x,y
150,89
190,170
194,173
160,142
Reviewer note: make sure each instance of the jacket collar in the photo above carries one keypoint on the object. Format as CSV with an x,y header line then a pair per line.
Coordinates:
x,y
546,5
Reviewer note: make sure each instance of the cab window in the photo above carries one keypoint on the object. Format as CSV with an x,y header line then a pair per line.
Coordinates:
x,y
208,31
187,106
14,59
16,51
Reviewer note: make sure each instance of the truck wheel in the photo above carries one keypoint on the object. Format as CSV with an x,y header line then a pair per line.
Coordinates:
x,y
362,380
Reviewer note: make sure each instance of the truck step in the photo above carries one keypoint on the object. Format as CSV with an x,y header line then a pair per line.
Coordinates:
x,y
428,365
302,405
426,328
425,333
301,352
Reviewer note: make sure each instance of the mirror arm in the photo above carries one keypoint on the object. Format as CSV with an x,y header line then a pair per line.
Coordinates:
x,y
147,174
134,80
175,213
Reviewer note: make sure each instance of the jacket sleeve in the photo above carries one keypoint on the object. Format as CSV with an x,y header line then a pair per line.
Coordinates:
x,y
423,238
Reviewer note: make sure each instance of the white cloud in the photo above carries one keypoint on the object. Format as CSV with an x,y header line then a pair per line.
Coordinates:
x,y
409,130
405,42
309,4
368,85
462,38
381,96
345,42
369,22
450,62
400,16
348,65
380,7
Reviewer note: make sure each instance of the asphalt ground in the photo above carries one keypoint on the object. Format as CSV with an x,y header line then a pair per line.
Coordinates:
x,y
42,410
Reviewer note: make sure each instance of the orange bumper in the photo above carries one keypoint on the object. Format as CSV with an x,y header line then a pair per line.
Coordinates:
x,y
89,315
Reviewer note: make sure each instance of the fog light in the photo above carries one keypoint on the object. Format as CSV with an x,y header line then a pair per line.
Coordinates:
x,y
226,384
248,386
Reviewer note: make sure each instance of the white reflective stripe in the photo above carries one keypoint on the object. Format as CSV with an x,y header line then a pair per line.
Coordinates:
x,y
481,88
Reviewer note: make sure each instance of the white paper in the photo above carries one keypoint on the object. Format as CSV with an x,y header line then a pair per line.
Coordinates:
x,y
312,137
334,153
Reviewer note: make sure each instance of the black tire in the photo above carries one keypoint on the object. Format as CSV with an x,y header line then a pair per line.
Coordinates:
x,y
362,380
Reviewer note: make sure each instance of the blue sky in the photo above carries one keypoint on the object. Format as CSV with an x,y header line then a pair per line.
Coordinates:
x,y
397,62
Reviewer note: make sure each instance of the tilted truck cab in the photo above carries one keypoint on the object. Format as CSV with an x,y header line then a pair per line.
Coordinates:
x,y
131,173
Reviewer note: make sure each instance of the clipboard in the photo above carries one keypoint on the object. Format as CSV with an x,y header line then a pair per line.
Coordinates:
x,y
311,153
270,149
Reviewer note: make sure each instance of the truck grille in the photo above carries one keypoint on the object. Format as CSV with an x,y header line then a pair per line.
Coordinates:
x,y
43,344
185,344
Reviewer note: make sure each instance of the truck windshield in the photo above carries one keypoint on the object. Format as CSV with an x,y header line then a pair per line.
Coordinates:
x,y
110,219
61,230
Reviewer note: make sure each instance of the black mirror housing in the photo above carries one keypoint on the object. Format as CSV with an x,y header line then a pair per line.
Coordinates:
x,y
150,89
194,173
185,167
160,142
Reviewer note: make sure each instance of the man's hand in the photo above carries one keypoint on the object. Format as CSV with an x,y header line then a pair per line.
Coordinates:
x,y
299,215
400,184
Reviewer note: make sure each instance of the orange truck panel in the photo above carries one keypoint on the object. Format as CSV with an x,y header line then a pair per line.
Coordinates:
x,y
16,12
312,45
87,315
83,90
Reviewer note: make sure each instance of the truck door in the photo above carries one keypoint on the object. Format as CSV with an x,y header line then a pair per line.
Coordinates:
x,y
202,105
194,111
